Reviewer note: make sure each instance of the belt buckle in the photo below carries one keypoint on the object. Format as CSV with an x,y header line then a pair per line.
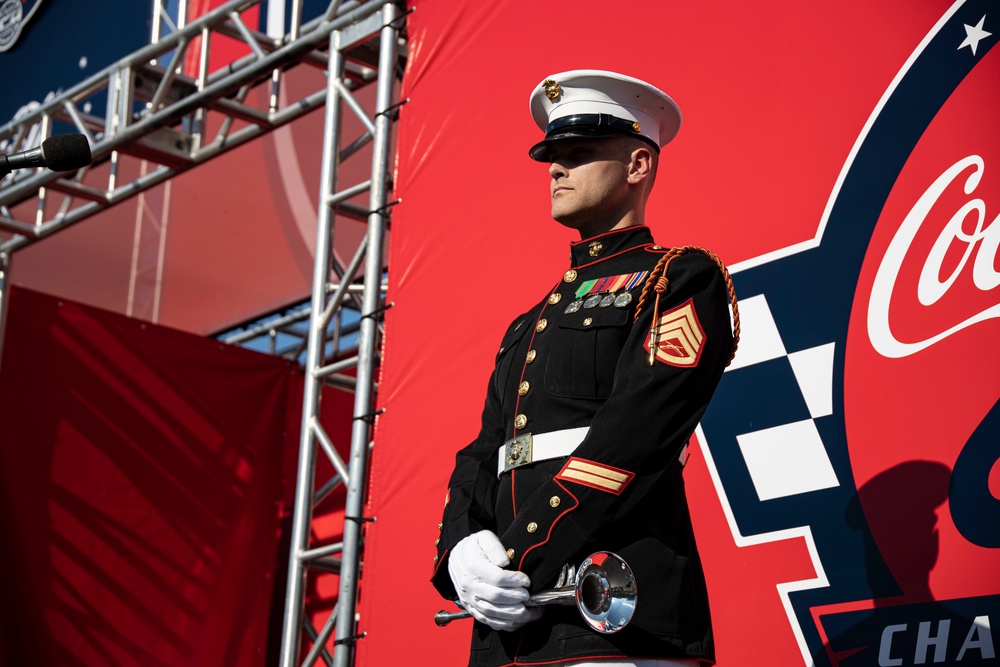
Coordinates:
x,y
517,452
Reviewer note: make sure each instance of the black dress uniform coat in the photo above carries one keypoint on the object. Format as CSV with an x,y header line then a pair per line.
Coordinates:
x,y
562,365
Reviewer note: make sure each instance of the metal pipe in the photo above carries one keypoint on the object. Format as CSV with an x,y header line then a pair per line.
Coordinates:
x,y
295,593
17,227
247,35
296,26
158,10
324,492
358,110
185,105
336,367
314,637
4,296
331,452
343,655
319,641
345,281
329,565
320,552
142,56
170,75
294,317
115,196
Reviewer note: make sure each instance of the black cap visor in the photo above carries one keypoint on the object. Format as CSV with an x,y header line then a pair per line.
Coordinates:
x,y
585,126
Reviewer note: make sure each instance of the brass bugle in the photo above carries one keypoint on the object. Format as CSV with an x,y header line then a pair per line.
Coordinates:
x,y
603,590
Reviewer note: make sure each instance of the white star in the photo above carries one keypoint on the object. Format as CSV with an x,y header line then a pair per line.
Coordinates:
x,y
974,35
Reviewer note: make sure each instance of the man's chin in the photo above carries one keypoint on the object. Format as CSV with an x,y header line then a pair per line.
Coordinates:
x,y
566,218
569,224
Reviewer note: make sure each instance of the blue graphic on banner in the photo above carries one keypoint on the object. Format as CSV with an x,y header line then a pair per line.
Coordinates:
x,y
948,632
974,509
14,14
767,417
66,42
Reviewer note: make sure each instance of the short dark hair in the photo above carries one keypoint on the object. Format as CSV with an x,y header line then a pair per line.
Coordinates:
x,y
630,143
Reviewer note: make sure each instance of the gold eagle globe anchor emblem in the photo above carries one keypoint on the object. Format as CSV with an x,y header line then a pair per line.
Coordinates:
x,y
553,90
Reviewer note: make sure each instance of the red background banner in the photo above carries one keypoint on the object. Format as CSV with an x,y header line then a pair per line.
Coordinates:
x,y
774,98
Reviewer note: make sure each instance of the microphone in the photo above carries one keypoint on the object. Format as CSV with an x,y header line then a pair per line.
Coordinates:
x,y
63,152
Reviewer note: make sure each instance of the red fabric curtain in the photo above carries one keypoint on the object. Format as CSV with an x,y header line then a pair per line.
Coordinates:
x,y
142,481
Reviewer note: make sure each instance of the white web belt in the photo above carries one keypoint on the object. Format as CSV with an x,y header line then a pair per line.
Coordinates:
x,y
528,448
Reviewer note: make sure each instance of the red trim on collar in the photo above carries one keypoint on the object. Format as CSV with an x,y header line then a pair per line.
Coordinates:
x,y
620,252
630,228
577,247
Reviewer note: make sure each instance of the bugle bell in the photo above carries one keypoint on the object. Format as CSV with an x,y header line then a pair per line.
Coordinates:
x,y
603,590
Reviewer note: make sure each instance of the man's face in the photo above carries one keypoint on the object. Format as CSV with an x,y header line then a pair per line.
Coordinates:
x,y
589,182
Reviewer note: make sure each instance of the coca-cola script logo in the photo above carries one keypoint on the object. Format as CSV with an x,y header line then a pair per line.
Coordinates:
x,y
861,412
978,249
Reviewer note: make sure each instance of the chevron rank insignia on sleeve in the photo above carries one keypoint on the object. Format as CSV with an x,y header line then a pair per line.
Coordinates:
x,y
679,337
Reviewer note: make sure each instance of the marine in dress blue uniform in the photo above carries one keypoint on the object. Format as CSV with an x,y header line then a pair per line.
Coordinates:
x,y
595,392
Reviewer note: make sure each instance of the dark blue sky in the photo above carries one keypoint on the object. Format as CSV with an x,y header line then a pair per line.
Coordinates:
x,y
65,42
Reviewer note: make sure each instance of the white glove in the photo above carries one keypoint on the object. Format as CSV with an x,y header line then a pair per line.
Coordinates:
x,y
492,595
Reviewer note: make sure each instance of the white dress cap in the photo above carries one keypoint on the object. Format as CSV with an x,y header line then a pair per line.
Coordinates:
x,y
597,103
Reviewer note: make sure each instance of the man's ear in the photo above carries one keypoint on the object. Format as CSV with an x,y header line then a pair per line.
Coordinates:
x,y
641,165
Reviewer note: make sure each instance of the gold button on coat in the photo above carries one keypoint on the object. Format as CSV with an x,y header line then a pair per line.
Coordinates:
x,y
540,327
440,526
587,322
532,527
554,298
554,501
435,559
569,276
523,389
510,554
521,421
531,356
437,541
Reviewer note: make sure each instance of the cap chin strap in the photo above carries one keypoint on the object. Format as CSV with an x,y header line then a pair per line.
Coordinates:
x,y
601,123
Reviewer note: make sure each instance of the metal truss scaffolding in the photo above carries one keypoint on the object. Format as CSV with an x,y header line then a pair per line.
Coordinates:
x,y
158,112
